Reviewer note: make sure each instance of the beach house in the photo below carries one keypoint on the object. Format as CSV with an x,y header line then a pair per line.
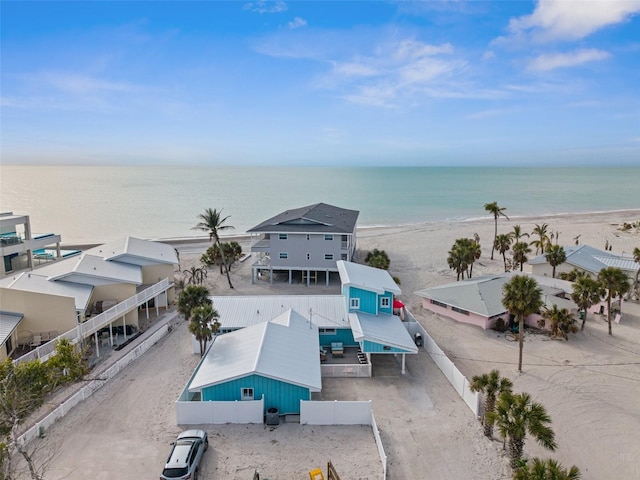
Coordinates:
x,y
21,249
275,361
102,287
478,301
304,242
588,260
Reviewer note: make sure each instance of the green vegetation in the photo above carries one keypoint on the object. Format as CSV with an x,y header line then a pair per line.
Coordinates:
x,y
521,297
191,297
586,293
615,284
497,212
462,256
204,324
490,385
547,469
211,221
378,259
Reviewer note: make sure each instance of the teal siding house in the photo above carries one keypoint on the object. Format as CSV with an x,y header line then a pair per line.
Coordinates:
x,y
369,294
277,359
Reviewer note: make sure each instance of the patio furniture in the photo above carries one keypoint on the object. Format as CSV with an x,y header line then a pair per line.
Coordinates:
x,y
37,341
323,355
336,349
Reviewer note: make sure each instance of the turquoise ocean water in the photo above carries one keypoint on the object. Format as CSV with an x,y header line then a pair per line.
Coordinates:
x,y
88,204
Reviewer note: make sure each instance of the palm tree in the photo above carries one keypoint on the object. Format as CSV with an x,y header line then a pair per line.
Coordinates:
x,y
496,211
490,385
573,275
547,469
555,256
211,221
615,284
515,416
191,297
560,320
516,234
586,293
195,275
378,259
461,255
204,324
474,254
520,251
521,297
543,238
502,244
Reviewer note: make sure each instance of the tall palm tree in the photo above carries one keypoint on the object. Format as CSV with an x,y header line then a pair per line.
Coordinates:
x,y
586,293
204,325
560,320
521,297
191,297
543,237
211,221
547,469
462,255
490,385
520,251
555,256
515,416
615,284
502,244
496,211
516,234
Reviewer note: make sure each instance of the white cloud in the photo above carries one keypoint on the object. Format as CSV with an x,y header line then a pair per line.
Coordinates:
x,y
408,49
82,84
571,20
487,113
297,23
552,61
264,6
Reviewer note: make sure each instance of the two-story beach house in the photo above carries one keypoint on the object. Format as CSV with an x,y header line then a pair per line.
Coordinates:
x,y
78,296
369,293
304,241
21,249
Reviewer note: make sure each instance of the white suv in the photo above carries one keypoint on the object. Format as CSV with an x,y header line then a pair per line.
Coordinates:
x,y
185,456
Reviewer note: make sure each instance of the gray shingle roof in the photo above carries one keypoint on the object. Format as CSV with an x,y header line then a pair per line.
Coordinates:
x,y
320,217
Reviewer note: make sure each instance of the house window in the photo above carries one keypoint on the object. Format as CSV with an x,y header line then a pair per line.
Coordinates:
x,y
283,236
344,256
327,331
459,310
386,347
440,304
328,256
384,302
247,394
284,255
354,303
328,236
308,237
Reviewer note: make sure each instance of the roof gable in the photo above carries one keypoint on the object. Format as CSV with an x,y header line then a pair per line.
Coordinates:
x,y
591,259
136,251
320,217
367,278
284,349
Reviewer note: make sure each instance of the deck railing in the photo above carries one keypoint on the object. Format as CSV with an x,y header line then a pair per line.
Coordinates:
x,y
94,324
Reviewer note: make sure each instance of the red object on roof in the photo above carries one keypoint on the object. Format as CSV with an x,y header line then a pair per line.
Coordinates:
x,y
397,303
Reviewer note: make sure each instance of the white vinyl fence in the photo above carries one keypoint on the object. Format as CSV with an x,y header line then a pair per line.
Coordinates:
x,y
343,413
343,370
448,368
40,427
219,413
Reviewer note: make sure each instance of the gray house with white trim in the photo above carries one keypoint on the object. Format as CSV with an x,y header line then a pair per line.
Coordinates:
x,y
307,240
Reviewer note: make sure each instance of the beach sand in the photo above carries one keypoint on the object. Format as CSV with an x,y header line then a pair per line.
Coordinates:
x,y
590,385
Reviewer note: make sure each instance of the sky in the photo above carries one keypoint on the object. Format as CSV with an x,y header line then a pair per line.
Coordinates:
x,y
326,83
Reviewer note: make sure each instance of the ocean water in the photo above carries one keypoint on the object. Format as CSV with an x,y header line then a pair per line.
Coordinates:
x,y
87,204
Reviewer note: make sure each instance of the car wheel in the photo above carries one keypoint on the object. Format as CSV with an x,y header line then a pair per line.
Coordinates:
x,y
206,445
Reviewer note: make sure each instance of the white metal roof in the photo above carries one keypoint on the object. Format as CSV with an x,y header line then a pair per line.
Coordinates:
x,y
591,259
8,323
367,278
136,251
326,311
383,329
34,282
93,270
285,349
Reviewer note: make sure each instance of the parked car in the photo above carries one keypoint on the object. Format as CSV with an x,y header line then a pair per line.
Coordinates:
x,y
185,457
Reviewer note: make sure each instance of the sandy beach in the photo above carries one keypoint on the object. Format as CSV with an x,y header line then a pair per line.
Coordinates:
x,y
590,385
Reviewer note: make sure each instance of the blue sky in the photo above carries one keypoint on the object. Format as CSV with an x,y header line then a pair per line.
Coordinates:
x,y
321,83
